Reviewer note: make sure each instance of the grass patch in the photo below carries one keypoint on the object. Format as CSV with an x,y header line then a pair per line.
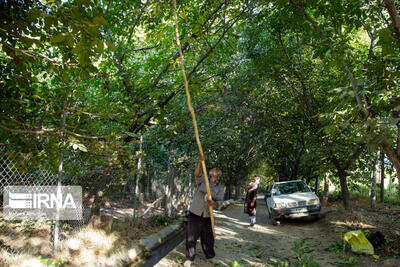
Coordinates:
x,y
348,262
300,249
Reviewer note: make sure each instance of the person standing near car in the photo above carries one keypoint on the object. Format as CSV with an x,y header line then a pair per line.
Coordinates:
x,y
251,199
199,221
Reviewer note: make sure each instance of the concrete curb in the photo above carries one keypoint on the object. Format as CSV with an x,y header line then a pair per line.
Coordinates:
x,y
153,241
141,250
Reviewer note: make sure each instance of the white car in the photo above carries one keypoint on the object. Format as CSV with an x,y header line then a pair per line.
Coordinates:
x,y
291,199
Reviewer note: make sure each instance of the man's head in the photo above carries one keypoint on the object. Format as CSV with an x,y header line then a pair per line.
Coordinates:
x,y
214,174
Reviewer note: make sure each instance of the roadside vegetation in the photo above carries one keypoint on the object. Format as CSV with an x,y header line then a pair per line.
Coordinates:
x,y
91,91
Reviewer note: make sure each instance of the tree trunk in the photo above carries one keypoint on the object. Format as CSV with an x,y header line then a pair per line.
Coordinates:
x,y
237,191
393,157
341,169
316,184
170,191
284,173
373,183
326,190
137,175
148,180
308,174
394,16
294,169
382,193
344,189
228,191
190,175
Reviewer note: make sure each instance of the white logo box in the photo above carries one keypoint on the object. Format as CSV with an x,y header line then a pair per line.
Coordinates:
x,y
49,202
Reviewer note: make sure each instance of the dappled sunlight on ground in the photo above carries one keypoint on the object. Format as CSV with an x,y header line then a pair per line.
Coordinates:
x,y
268,245
23,261
225,231
25,243
88,246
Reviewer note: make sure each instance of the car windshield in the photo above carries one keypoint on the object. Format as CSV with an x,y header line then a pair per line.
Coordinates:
x,y
290,188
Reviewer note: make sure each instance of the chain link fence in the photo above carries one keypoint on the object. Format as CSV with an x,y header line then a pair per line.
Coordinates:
x,y
35,238
27,236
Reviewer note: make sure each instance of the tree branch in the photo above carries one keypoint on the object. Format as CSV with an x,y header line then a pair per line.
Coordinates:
x,y
145,48
58,133
394,16
324,37
354,157
135,127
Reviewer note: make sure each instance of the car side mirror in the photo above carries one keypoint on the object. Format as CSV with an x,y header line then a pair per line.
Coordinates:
x,y
268,194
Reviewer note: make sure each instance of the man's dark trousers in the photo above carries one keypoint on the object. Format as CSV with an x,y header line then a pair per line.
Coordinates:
x,y
197,226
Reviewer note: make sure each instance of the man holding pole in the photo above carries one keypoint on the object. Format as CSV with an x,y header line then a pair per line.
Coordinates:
x,y
199,221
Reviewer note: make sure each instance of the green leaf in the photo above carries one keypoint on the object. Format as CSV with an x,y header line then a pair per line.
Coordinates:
x,y
100,47
328,53
111,46
34,14
27,41
131,134
386,41
58,38
70,40
81,147
84,74
99,21
78,48
83,58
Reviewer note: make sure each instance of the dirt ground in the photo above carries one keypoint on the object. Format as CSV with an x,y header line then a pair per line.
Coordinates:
x,y
24,243
237,244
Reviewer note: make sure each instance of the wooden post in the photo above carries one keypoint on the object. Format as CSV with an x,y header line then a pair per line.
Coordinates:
x,y
56,236
196,132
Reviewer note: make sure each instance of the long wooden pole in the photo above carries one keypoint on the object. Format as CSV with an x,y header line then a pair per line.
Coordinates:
x,y
196,132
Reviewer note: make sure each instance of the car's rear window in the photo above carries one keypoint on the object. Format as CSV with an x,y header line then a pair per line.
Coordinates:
x,y
290,188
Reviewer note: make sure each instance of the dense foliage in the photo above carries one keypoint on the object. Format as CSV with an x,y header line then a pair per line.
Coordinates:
x,y
292,89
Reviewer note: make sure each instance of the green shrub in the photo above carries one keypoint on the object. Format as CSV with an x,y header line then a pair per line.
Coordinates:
x,y
303,260
234,264
162,220
335,196
339,246
348,262
53,263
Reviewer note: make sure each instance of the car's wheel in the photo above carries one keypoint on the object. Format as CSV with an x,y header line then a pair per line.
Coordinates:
x,y
271,220
268,211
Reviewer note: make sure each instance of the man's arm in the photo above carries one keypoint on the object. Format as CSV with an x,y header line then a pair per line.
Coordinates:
x,y
218,199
